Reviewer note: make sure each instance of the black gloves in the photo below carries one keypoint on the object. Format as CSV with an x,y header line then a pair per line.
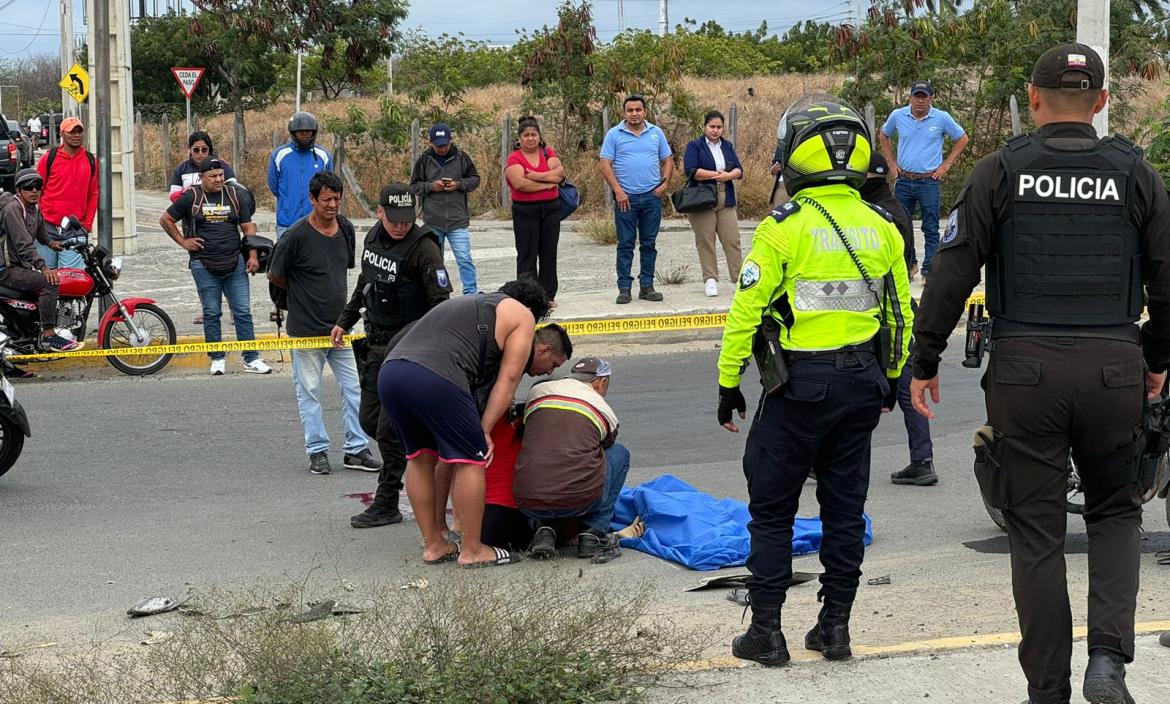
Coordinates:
x,y
730,400
890,400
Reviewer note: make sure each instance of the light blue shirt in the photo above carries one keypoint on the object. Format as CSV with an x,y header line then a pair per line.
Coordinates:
x,y
920,142
636,158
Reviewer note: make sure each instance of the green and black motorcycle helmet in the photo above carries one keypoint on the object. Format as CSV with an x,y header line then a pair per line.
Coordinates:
x,y
822,141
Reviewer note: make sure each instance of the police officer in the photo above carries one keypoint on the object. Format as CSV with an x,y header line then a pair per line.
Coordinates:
x,y
1070,227
402,277
825,288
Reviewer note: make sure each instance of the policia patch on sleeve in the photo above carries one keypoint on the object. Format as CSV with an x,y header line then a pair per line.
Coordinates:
x,y
953,235
441,277
750,276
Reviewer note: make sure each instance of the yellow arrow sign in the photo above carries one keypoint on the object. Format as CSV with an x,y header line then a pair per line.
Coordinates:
x,y
75,82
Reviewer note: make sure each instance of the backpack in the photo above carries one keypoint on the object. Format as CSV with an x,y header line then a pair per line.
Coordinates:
x,y
52,156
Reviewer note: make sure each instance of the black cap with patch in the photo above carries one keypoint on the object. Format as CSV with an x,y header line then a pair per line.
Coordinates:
x,y
1069,65
397,202
878,164
210,165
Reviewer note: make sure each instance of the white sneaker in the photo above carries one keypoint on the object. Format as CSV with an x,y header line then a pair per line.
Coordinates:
x,y
712,287
218,366
66,333
257,366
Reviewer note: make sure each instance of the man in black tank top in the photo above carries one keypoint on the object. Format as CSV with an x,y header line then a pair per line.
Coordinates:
x,y
446,381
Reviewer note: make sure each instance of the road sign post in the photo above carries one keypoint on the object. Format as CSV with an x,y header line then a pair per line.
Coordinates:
x,y
188,79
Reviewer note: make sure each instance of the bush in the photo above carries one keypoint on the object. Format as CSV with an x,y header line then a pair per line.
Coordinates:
x,y
539,641
601,231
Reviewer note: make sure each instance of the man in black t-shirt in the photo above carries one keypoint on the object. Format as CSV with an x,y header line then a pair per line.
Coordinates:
x,y
216,215
310,261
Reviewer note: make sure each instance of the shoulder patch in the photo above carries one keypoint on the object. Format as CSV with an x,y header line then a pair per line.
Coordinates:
x,y
880,211
785,210
750,276
441,278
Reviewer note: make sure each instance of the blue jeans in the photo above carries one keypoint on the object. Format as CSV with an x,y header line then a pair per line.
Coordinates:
x,y
599,514
925,193
307,368
212,289
460,240
917,426
639,223
60,260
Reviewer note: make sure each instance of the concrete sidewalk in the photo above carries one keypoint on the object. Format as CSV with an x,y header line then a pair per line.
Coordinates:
x,y
586,270
972,676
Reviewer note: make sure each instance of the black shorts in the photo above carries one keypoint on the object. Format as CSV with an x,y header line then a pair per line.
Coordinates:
x,y
430,414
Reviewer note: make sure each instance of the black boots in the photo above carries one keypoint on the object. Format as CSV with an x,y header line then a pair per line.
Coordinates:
x,y
763,641
1105,678
830,637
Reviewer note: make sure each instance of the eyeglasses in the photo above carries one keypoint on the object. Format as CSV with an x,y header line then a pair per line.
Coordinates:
x,y
34,186
200,150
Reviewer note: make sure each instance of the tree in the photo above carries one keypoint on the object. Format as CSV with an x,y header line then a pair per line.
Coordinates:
x,y
159,44
558,71
35,79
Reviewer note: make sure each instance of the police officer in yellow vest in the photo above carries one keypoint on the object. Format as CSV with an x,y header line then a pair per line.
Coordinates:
x,y
823,304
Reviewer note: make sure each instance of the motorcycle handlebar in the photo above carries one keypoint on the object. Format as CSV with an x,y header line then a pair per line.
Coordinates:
x,y
75,242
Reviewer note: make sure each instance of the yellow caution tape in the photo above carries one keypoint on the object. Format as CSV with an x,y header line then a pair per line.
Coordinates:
x,y
977,299
661,323
283,343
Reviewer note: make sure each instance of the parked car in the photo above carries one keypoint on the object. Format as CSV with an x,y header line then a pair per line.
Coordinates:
x,y
49,125
10,157
24,144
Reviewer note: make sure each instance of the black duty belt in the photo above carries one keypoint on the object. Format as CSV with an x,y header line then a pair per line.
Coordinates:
x,y
868,347
1002,328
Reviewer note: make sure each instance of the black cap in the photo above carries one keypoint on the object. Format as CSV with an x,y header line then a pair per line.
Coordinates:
x,y
921,87
210,165
397,202
1069,65
878,164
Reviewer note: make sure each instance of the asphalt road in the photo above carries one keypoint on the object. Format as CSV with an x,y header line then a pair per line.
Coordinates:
x,y
138,487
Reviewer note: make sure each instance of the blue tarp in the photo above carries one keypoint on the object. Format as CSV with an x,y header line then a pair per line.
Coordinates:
x,y
694,529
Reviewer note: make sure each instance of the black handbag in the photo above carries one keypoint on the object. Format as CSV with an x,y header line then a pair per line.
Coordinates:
x,y
695,197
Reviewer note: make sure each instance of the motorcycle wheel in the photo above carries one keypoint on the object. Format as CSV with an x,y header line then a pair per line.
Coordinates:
x,y
159,329
11,443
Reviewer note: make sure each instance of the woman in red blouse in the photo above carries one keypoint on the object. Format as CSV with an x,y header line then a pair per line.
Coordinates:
x,y
533,172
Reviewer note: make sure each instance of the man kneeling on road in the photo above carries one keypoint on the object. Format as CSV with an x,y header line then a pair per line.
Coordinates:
x,y
445,383
402,277
21,266
570,465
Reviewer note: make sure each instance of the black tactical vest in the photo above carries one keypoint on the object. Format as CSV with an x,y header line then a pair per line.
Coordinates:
x,y
393,296
1068,252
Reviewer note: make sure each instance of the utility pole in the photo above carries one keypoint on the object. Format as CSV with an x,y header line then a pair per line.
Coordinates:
x,y
68,105
390,74
300,58
621,16
663,18
1093,30
105,212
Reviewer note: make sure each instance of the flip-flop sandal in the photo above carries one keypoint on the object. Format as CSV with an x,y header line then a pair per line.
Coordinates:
x,y
449,557
503,557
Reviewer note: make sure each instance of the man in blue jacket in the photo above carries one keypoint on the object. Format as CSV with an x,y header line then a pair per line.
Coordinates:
x,y
291,167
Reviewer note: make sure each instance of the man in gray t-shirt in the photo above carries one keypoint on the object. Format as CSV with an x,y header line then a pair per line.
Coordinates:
x,y
310,261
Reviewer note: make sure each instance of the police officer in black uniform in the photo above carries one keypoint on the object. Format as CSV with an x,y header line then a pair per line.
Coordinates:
x,y
1070,228
402,277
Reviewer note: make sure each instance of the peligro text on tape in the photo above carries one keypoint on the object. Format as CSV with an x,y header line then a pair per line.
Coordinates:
x,y
283,343
664,323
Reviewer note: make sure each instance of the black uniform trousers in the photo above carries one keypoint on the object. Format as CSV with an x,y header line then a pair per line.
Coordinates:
x,y
1047,395
821,421
376,424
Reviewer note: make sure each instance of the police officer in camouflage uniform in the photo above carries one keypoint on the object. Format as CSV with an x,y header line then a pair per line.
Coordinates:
x,y
1071,229
402,277
823,295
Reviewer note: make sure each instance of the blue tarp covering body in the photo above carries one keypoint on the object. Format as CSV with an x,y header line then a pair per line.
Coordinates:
x,y
686,526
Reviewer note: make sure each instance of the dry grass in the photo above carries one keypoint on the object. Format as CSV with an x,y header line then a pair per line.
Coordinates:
x,y
600,230
755,140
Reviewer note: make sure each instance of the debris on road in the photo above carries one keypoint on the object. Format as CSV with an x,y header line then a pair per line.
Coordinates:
x,y
419,583
156,637
878,581
152,606
20,650
1164,639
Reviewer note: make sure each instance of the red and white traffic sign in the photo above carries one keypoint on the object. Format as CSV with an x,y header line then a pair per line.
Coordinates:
x,y
188,79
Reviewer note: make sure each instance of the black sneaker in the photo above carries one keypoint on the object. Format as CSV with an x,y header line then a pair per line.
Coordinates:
x,y
319,463
544,544
647,293
623,296
363,461
600,548
376,516
919,473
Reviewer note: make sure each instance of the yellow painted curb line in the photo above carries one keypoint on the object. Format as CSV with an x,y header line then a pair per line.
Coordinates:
x,y
909,647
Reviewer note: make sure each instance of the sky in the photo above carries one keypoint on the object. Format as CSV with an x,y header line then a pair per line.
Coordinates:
x,y
29,27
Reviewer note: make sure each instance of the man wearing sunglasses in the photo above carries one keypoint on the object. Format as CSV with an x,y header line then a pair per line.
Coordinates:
x,y
21,266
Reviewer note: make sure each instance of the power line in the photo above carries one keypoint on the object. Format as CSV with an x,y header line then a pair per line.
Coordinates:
x,y
35,35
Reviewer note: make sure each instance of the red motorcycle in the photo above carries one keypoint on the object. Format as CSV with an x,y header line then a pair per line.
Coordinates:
x,y
127,323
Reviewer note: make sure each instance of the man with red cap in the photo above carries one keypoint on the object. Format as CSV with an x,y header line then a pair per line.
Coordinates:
x,y
71,188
